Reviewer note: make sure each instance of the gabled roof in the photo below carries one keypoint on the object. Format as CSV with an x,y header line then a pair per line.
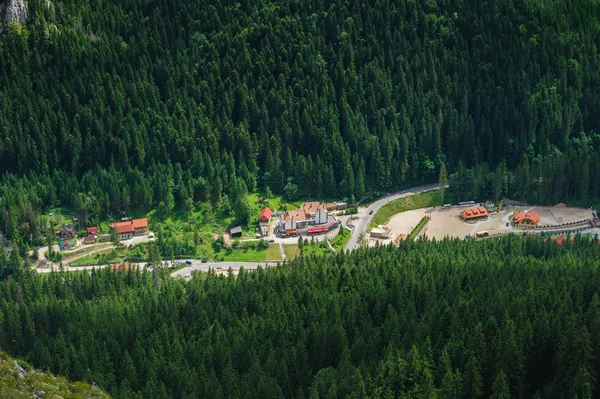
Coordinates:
x,y
130,226
89,238
312,207
521,216
92,230
474,213
297,214
235,230
265,213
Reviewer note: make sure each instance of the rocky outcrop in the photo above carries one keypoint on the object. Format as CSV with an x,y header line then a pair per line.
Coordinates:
x,y
12,11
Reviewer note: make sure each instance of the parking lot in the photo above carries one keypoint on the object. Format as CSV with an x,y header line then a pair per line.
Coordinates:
x,y
448,223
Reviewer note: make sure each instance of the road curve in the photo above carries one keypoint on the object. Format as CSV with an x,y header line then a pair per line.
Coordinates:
x,y
360,227
364,216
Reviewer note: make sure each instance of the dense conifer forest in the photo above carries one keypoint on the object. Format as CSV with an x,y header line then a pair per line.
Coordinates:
x,y
139,104
517,317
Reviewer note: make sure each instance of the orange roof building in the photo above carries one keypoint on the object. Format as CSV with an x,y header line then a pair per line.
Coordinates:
x,y
130,228
474,214
312,207
265,216
526,219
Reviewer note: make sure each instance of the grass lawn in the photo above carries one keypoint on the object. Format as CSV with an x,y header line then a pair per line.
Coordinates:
x,y
339,241
101,258
273,252
253,255
291,251
417,201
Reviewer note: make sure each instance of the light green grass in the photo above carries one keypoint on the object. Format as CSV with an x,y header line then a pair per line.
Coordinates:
x,y
252,255
100,258
273,252
417,201
291,251
339,241
415,232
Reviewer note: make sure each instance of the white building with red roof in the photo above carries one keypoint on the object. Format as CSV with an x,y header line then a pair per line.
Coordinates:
x,y
130,228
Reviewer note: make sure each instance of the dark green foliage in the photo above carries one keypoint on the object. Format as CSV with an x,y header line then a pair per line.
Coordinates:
x,y
501,318
126,105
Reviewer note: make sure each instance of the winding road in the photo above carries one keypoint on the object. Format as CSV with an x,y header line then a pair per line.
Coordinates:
x,y
365,215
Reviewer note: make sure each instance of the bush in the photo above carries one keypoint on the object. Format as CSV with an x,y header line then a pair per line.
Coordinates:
x,y
262,244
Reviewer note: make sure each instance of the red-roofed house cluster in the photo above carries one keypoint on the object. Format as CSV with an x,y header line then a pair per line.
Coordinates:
x,y
130,228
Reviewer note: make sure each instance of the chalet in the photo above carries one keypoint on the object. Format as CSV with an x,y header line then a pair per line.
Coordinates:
x,y
316,213
473,214
235,231
89,239
130,228
66,231
92,230
526,219
265,217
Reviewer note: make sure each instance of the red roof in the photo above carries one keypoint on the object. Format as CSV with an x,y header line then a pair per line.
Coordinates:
x,y
312,207
92,230
528,217
122,266
130,226
265,214
89,238
561,239
474,213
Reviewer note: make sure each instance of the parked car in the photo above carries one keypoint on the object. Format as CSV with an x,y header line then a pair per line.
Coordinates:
x,y
204,261
366,206
271,240
188,262
507,223
371,212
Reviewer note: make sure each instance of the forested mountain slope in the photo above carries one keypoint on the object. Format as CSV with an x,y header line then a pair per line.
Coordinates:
x,y
136,102
460,319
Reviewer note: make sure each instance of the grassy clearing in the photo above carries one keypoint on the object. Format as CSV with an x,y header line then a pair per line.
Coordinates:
x,y
101,258
415,232
339,241
291,251
417,201
273,252
253,255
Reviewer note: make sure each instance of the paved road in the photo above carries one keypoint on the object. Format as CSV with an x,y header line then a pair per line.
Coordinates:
x,y
364,218
197,265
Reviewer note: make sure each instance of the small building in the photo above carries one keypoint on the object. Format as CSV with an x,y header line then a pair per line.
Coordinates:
x,y
66,231
472,214
92,230
130,228
332,206
489,206
89,239
104,237
265,217
341,205
526,219
380,233
235,232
